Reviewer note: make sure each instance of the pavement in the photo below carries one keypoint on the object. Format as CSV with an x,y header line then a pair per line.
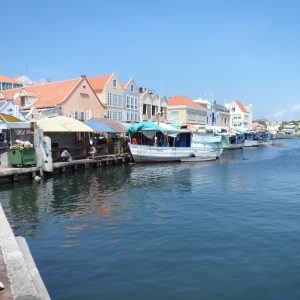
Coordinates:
x,y
6,293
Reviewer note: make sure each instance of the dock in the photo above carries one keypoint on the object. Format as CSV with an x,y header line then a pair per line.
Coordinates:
x,y
17,174
18,271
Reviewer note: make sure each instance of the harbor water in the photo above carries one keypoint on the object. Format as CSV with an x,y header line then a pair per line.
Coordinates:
x,y
227,229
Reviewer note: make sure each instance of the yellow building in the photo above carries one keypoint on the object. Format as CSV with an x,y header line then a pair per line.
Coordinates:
x,y
184,110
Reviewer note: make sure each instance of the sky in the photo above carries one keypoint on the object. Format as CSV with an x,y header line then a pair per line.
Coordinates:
x,y
220,50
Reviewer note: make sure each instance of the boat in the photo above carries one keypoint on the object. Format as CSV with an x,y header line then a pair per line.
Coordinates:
x,y
265,137
252,139
151,142
231,142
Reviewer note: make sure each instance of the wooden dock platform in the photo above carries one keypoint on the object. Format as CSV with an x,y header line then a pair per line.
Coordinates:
x,y
16,174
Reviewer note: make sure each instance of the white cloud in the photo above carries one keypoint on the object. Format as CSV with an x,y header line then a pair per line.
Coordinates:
x,y
291,113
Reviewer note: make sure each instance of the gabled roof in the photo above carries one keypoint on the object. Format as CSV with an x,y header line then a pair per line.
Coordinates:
x,y
98,83
184,101
47,95
241,106
4,78
123,84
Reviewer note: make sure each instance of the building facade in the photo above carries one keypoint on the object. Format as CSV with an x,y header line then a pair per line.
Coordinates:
x,y
131,101
217,114
240,115
152,106
110,92
184,110
71,98
7,83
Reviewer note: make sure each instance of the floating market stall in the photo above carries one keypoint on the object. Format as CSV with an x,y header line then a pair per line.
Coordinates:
x,y
66,134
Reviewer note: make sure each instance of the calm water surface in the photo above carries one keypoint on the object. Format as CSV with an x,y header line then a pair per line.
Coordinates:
x,y
228,229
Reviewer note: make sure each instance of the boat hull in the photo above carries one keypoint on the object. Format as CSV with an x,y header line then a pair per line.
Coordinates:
x,y
252,143
145,153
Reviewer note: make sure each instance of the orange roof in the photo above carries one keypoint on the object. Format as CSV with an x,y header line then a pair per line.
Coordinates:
x,y
98,83
123,84
185,101
4,78
241,106
47,95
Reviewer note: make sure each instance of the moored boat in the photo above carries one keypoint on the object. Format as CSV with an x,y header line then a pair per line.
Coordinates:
x,y
150,142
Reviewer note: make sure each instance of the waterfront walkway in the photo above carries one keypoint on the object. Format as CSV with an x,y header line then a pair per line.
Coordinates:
x,y
18,271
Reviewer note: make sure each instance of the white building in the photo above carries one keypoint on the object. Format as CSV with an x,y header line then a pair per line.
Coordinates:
x,y
131,101
217,114
150,104
240,115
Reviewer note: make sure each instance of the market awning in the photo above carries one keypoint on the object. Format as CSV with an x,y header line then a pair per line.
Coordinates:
x,y
63,124
8,118
98,127
115,125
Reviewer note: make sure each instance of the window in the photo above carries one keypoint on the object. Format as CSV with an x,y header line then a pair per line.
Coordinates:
x,y
128,117
115,115
109,114
120,116
109,99
120,100
132,88
144,109
81,115
135,103
84,95
131,103
128,102
115,100
22,100
76,114
114,83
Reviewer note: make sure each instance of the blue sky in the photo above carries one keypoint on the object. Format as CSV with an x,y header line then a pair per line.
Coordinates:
x,y
225,50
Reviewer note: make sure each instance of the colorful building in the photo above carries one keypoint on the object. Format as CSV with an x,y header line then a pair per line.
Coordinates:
x,y
240,115
153,106
110,92
71,98
184,110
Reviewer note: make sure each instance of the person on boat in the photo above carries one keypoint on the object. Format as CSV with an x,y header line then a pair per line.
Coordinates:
x,y
65,155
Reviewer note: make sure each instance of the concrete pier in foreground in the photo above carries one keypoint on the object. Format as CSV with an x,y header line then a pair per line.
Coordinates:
x,y
18,270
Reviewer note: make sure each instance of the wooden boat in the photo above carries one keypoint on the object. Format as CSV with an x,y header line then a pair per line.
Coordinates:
x,y
153,143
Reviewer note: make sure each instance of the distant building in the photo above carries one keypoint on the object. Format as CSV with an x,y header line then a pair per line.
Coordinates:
x,y
7,83
217,114
110,92
9,108
240,115
153,106
72,98
184,110
131,101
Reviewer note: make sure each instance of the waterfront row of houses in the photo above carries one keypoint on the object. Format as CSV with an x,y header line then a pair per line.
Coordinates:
x,y
85,97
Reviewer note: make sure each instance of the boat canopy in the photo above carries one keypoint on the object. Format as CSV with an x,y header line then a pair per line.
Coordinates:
x,y
142,126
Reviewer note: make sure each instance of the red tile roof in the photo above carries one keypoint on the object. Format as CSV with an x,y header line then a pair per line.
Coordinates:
x,y
48,94
98,83
4,78
184,101
241,106
123,84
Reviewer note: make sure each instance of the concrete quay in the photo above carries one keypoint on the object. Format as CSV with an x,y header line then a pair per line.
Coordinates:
x,y
18,271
